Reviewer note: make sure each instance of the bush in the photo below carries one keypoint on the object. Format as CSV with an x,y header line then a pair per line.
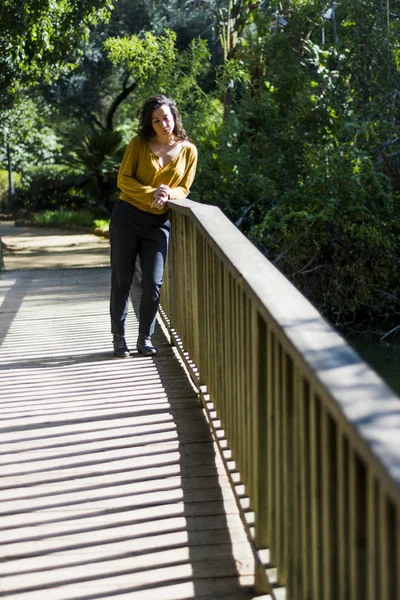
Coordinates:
x,y
4,188
66,218
97,154
302,186
336,237
50,187
240,163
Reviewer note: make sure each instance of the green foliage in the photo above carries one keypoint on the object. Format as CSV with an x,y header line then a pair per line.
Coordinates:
x,y
94,92
29,130
4,188
297,129
304,162
3,185
102,223
146,54
97,153
67,218
336,238
39,39
157,65
241,158
50,187
86,179
95,150
230,19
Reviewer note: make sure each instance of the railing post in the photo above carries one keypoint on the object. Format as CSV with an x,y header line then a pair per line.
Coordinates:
x,y
260,476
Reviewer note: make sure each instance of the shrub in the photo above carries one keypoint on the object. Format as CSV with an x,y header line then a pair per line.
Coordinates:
x,y
97,154
50,187
336,238
67,218
4,188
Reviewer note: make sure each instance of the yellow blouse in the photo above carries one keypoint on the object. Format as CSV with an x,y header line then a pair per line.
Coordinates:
x,y
140,174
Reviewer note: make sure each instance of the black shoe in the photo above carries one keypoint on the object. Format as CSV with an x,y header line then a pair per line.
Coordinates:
x,y
145,346
120,347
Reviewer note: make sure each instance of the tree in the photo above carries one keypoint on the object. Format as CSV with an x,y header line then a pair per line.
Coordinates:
x,y
295,161
97,153
40,39
155,64
93,92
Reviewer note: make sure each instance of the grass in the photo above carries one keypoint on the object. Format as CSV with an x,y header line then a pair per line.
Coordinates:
x,y
102,223
68,218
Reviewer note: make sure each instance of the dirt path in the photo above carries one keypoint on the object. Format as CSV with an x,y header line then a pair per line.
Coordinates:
x,y
41,248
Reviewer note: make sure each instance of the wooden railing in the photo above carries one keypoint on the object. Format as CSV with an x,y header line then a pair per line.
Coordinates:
x,y
313,431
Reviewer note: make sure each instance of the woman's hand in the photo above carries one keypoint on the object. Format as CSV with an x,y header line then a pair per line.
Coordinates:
x,y
161,195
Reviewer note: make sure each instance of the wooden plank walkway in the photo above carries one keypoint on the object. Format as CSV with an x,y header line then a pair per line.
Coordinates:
x,y
110,483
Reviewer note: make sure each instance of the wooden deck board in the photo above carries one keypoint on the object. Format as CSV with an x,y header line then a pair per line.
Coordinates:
x,y
110,483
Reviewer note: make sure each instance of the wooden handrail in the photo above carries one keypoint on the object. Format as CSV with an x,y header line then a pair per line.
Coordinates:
x,y
314,432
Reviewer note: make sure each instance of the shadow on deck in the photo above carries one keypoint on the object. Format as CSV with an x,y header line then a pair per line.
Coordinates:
x,y
110,482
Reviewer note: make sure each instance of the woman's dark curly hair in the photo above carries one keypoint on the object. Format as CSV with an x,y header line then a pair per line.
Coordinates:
x,y
146,130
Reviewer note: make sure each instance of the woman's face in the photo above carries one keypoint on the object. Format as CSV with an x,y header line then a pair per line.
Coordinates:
x,y
163,121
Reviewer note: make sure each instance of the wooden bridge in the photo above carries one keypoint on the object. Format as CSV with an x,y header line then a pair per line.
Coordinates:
x,y
258,456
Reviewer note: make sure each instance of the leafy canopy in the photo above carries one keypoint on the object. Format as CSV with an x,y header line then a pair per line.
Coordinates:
x,y
39,39
156,59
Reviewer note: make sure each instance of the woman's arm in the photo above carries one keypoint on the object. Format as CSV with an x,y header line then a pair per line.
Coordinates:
x,y
127,183
183,189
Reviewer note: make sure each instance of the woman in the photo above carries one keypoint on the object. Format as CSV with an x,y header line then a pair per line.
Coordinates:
x,y
159,165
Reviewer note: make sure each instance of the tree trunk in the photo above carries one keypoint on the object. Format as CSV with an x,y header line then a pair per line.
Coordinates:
x,y
118,100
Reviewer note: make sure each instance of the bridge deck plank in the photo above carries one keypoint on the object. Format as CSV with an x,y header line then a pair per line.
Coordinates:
x,y
110,483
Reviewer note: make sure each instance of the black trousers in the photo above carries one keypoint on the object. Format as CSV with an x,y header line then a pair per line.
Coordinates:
x,y
133,233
